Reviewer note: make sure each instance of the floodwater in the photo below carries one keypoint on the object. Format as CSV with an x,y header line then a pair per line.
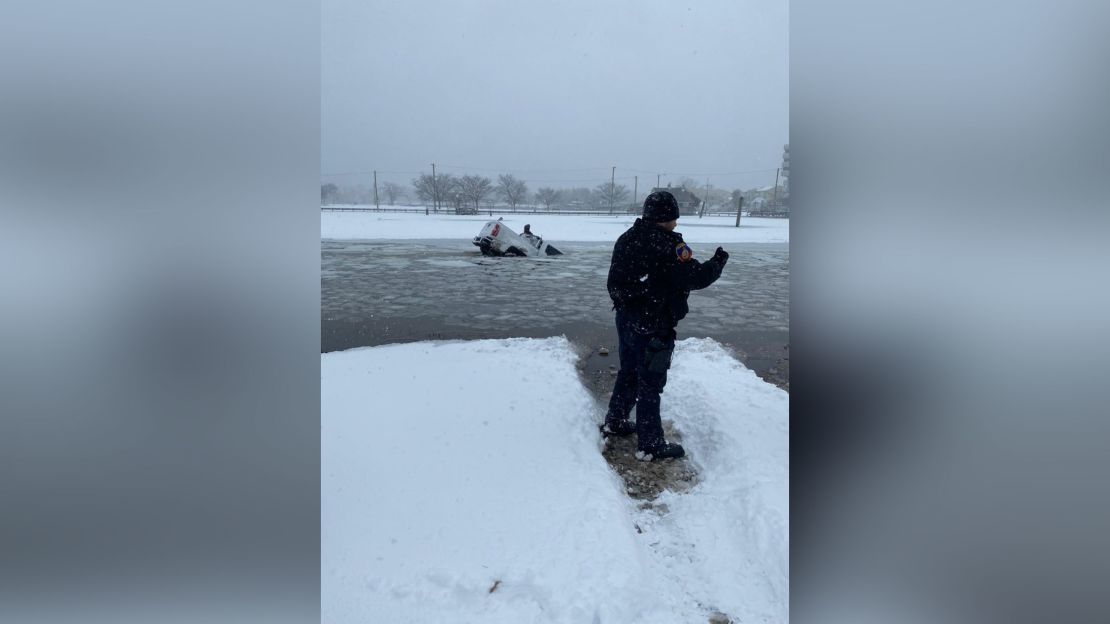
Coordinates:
x,y
378,292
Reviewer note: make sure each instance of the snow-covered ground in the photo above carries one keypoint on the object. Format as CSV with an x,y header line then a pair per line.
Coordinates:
x,y
462,482
555,228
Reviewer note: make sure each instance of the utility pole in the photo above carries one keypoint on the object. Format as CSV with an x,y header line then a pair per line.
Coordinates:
x,y
435,189
657,179
635,191
739,205
612,188
377,206
775,201
705,202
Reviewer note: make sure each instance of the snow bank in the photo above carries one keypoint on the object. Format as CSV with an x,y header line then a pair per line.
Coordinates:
x,y
726,543
447,467
555,228
462,482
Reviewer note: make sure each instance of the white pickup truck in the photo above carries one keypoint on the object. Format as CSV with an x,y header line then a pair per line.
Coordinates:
x,y
497,239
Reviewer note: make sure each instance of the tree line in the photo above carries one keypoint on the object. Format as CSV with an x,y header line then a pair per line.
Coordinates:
x,y
466,193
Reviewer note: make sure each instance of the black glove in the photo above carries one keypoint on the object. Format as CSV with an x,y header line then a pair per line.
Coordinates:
x,y
721,256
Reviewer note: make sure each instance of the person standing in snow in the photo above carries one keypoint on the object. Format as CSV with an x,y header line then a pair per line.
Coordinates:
x,y
650,278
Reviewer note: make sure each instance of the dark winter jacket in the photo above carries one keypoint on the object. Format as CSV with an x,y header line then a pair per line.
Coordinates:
x,y
652,274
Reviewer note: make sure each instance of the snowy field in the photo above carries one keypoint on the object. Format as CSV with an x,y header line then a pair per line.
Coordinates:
x,y
555,228
462,482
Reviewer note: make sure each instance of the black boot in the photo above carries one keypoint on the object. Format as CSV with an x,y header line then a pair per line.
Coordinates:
x,y
618,428
663,450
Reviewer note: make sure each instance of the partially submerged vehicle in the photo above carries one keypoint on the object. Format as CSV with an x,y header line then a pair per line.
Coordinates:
x,y
498,239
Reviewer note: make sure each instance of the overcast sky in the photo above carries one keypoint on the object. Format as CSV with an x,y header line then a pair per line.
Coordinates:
x,y
556,92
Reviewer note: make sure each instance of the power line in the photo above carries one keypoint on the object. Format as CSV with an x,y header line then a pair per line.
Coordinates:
x,y
368,172
698,173
595,179
513,170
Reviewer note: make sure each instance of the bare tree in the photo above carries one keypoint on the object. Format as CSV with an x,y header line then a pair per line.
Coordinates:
x,y
609,194
514,190
547,196
393,191
577,197
708,199
475,188
441,187
734,197
328,193
424,187
357,194
450,190
719,198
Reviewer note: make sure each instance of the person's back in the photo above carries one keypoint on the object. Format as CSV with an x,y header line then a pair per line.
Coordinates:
x,y
651,274
630,263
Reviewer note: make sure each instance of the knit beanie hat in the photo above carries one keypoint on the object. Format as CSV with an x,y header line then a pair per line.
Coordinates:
x,y
660,207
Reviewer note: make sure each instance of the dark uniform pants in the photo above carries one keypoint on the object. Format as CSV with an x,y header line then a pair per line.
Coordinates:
x,y
644,360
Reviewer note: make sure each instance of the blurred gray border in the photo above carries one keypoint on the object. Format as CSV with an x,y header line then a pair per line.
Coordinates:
x,y
159,367
948,308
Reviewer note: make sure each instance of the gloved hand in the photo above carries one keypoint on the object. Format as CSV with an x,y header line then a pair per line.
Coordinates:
x,y
721,256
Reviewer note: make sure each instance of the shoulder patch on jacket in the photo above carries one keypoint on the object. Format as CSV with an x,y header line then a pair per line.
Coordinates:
x,y
684,253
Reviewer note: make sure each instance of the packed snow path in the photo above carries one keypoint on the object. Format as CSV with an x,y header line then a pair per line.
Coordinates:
x,y
462,481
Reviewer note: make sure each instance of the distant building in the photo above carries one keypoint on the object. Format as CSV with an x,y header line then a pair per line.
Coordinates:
x,y
759,195
688,203
772,201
